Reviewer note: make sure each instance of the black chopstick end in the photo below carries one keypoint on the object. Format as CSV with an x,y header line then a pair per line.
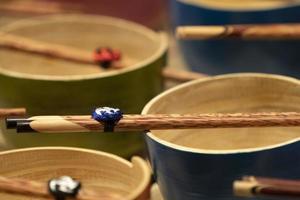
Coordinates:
x,y
24,127
11,123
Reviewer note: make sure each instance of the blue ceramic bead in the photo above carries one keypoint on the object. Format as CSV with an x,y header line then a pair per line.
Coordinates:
x,y
107,114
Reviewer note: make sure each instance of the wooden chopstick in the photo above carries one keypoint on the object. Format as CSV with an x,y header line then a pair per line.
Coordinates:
x,y
77,55
39,189
54,124
9,112
251,31
47,49
30,7
251,186
180,75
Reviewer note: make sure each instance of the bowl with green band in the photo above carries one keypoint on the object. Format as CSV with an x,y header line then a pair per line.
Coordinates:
x,y
51,86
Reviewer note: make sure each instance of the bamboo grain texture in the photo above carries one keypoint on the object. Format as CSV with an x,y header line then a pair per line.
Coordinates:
x,y
251,32
53,124
251,186
51,50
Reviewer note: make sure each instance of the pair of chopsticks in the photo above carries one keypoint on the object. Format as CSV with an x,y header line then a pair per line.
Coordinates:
x,y
251,31
251,186
85,123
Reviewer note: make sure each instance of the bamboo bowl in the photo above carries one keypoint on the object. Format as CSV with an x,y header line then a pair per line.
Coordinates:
x,y
202,164
96,170
52,86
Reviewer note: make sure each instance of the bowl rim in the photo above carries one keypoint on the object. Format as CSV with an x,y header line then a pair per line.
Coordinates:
x,y
212,8
159,37
136,162
167,144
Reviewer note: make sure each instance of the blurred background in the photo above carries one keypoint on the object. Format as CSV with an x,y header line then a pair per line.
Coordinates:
x,y
150,13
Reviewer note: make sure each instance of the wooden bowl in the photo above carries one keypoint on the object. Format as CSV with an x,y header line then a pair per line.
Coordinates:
x,y
229,55
202,164
99,171
53,86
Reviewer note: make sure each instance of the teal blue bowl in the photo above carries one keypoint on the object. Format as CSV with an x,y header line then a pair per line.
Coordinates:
x,y
229,55
202,164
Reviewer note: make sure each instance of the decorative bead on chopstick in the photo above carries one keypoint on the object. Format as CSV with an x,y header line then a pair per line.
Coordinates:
x,y
59,189
10,112
108,116
64,187
255,31
85,123
105,56
251,186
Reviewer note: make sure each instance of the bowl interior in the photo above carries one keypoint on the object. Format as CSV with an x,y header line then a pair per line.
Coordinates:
x,y
241,5
82,32
230,94
107,174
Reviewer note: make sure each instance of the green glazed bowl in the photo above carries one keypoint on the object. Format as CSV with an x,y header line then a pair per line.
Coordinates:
x,y
48,86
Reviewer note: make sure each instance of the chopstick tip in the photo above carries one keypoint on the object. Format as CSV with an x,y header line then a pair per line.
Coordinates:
x,y
24,127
